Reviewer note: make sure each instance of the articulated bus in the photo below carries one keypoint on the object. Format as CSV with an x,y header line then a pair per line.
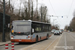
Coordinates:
x,y
29,31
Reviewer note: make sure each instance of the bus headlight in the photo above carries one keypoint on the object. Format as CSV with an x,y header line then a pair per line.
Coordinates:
x,y
12,37
29,37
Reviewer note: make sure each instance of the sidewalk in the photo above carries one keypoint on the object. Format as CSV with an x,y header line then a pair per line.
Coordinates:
x,y
3,43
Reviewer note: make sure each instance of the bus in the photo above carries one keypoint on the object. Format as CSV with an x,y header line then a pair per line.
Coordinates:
x,y
29,31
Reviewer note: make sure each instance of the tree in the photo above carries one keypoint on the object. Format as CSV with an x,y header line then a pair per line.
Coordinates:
x,y
72,23
66,27
43,12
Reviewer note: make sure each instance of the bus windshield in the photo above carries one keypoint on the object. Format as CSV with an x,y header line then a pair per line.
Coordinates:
x,y
21,27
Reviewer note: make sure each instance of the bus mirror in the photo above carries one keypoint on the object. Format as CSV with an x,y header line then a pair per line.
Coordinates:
x,y
9,25
32,30
12,26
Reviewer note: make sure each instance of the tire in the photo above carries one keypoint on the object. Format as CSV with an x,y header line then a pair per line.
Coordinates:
x,y
47,36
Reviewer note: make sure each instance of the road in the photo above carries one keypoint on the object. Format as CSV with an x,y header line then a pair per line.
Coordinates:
x,y
65,41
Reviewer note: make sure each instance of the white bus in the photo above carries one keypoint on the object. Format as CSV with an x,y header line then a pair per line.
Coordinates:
x,y
29,31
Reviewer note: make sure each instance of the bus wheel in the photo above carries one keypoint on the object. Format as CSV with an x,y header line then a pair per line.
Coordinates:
x,y
47,36
37,39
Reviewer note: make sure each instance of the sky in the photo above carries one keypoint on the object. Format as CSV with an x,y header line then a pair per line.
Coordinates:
x,y
57,8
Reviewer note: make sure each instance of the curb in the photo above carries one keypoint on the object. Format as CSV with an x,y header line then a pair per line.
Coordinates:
x,y
5,43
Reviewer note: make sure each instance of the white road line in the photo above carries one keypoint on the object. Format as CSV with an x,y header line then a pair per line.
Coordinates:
x,y
58,42
51,43
65,43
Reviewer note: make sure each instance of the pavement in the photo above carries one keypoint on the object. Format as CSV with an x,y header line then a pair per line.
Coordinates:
x,y
65,41
3,43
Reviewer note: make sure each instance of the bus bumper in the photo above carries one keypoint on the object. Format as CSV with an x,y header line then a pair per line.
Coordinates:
x,y
22,40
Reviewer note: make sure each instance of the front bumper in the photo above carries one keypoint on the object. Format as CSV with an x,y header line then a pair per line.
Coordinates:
x,y
22,40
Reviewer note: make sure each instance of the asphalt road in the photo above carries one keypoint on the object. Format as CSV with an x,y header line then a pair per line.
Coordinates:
x,y
65,41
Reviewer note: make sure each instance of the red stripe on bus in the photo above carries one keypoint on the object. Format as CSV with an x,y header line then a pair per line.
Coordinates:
x,y
28,40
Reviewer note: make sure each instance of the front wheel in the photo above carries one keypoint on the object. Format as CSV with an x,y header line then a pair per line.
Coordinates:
x,y
47,36
36,39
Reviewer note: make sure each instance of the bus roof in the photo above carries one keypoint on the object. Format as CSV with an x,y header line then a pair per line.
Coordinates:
x,y
31,21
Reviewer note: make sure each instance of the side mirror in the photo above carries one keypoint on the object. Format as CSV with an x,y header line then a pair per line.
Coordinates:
x,y
32,30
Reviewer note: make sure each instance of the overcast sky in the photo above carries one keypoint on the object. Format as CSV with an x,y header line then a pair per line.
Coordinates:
x,y
58,8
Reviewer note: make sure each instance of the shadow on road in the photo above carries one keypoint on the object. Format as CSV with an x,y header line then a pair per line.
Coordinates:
x,y
25,43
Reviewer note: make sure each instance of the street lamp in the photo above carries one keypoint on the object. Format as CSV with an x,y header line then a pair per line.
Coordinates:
x,y
3,35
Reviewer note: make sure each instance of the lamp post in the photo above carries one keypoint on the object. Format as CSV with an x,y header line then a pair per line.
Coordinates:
x,y
3,35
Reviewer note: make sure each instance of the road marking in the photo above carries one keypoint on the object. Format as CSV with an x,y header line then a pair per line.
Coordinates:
x,y
68,47
65,43
51,43
57,42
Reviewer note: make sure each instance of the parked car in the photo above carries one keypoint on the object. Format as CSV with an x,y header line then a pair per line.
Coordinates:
x,y
53,31
60,31
56,32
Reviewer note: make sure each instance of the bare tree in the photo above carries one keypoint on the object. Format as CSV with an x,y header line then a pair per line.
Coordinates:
x,y
72,23
43,10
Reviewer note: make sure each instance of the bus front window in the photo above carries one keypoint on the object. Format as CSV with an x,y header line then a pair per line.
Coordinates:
x,y
22,28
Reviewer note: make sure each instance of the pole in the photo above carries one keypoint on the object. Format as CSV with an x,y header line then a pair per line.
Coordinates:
x,y
37,7
32,11
3,35
41,13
